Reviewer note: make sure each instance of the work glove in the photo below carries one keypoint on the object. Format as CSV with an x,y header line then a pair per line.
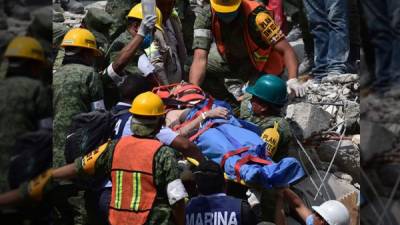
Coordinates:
x,y
298,88
147,25
253,197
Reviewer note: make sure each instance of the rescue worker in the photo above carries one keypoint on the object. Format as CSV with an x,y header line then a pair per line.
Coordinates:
x,y
77,89
144,172
26,103
268,97
331,212
119,49
168,52
213,206
248,43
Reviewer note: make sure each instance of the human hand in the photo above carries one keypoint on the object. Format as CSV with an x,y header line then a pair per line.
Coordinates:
x,y
147,25
298,88
218,112
253,196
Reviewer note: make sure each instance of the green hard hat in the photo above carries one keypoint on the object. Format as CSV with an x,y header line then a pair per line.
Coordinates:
x,y
269,88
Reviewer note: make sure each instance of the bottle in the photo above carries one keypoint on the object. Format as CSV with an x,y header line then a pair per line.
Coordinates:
x,y
149,7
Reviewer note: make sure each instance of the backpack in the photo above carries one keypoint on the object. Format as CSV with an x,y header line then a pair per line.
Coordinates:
x,y
33,154
88,131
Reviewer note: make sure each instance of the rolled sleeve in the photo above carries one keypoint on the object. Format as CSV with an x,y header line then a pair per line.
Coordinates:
x,y
202,35
166,135
176,191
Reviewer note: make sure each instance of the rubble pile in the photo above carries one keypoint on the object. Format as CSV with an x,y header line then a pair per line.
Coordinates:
x,y
327,124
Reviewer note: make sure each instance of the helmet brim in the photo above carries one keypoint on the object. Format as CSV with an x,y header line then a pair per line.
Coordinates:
x,y
225,8
321,212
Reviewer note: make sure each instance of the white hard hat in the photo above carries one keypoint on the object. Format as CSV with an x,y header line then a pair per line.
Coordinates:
x,y
333,212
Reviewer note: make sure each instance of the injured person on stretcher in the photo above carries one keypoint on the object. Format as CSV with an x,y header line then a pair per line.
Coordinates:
x,y
221,137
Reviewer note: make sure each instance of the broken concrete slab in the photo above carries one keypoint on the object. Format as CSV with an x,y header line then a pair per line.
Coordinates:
x,y
347,157
336,188
309,118
376,139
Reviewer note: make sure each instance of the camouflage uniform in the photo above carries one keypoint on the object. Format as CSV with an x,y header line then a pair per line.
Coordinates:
x,y
165,171
76,87
118,9
99,22
24,103
238,69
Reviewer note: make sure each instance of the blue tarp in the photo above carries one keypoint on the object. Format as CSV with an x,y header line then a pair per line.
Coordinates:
x,y
229,135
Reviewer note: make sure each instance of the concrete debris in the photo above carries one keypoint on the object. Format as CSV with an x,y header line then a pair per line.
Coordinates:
x,y
336,188
347,157
309,118
369,144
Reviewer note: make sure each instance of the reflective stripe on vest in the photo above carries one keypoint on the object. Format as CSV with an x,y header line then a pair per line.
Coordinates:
x,y
264,60
133,190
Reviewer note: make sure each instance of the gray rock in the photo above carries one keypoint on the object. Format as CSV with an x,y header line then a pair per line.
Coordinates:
x,y
308,118
336,188
347,157
376,139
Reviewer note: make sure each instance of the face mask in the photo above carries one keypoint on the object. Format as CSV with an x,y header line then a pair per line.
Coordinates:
x,y
227,17
147,40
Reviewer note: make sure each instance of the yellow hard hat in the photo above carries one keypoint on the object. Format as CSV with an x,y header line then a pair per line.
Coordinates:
x,y
136,12
82,38
147,104
25,47
225,6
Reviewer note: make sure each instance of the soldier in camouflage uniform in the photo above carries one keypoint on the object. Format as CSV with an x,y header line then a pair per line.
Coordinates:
x,y
248,43
77,89
269,95
117,49
25,102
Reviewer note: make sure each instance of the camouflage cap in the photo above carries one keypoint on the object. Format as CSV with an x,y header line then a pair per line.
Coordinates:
x,y
99,20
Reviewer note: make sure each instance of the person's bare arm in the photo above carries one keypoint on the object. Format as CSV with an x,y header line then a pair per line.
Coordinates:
x,y
219,112
10,198
280,218
199,66
126,54
178,211
289,57
66,172
187,148
297,204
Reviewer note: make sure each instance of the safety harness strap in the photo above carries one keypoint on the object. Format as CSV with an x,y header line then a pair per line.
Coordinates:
x,y
232,153
246,159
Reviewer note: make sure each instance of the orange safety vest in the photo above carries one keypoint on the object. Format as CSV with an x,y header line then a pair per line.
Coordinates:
x,y
133,191
266,60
